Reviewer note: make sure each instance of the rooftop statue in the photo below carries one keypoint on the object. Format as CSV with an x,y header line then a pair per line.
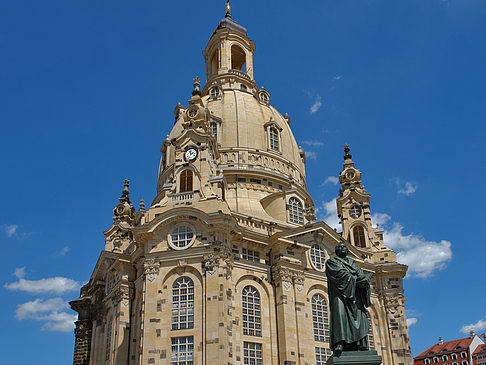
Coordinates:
x,y
349,296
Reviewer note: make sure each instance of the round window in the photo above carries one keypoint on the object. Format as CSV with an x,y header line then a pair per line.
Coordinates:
x,y
355,211
181,237
318,257
214,93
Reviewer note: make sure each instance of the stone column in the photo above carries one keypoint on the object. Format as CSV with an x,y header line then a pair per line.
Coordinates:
x,y
286,317
304,335
84,328
217,314
121,303
82,342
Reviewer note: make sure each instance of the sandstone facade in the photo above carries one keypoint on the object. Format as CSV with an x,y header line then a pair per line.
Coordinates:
x,y
226,266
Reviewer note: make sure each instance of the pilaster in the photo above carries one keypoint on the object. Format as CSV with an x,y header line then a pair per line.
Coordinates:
x,y
287,330
218,314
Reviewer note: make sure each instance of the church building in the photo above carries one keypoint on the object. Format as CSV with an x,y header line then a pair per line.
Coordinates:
x,y
227,264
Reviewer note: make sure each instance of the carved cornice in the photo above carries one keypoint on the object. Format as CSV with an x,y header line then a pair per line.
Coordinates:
x,y
83,329
220,258
121,295
287,276
392,303
151,269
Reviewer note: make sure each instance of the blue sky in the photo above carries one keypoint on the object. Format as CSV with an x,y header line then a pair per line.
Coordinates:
x,y
87,94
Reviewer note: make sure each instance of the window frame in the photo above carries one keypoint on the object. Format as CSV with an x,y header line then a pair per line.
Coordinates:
x,y
295,211
320,318
251,309
186,360
320,266
258,353
364,235
322,351
270,126
185,296
177,227
185,188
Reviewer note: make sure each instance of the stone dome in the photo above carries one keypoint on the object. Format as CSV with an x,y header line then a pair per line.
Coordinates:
x,y
256,157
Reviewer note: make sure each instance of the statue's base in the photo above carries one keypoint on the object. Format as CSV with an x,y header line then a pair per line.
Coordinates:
x,y
355,358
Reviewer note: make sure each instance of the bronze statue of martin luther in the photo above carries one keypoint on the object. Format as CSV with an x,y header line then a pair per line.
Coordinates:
x,y
349,296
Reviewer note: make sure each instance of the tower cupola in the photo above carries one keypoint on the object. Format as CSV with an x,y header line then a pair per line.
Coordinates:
x,y
229,55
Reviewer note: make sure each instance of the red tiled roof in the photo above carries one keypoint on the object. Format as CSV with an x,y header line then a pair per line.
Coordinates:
x,y
479,349
449,346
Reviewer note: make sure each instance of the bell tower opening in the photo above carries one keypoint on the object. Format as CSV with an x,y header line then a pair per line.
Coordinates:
x,y
214,63
238,58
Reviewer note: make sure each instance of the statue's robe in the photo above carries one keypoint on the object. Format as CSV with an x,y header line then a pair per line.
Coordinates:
x,y
349,296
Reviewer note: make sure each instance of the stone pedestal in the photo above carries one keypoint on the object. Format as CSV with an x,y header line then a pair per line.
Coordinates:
x,y
355,358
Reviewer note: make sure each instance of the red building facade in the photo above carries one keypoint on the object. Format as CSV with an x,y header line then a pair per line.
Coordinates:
x,y
457,352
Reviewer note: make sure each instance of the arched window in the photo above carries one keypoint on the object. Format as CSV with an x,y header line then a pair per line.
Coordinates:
x,y
238,58
359,236
215,62
318,256
185,181
183,304
252,315
296,213
273,135
320,318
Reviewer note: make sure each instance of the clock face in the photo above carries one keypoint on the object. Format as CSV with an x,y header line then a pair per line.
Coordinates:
x,y
192,113
190,154
350,174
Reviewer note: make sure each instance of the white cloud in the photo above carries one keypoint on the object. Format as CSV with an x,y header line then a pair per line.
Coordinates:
x,y
317,105
13,231
57,285
19,272
64,251
330,214
338,77
380,218
411,321
408,189
331,180
311,154
50,311
405,188
476,327
313,143
423,257
10,229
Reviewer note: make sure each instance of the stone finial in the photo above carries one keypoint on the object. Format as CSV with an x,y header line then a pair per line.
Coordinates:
x,y
142,204
471,334
124,210
441,341
228,9
125,192
287,118
196,85
484,337
347,155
